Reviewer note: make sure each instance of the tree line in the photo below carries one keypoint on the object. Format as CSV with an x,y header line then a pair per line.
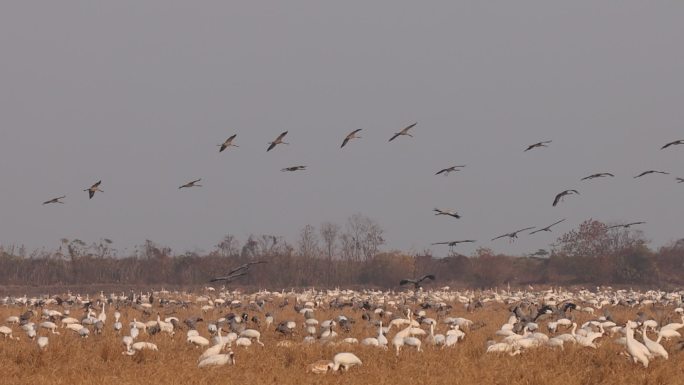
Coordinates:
x,y
352,255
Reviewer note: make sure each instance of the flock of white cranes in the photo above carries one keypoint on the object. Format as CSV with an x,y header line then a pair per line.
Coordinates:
x,y
226,321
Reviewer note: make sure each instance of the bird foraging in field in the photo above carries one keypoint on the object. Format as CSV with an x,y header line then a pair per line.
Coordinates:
x,y
416,281
277,141
228,143
350,136
55,200
191,184
405,131
559,197
450,213
94,188
538,144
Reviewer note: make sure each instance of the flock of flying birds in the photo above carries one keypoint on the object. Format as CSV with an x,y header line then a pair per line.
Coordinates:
x,y
446,171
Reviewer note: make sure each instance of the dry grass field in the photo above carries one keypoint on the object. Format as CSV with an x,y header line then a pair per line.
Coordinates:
x,y
98,359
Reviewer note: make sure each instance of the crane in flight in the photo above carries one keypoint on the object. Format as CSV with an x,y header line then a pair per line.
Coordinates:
x,y
559,197
538,144
513,235
416,281
293,168
228,143
448,170
350,136
674,143
94,188
598,175
277,141
651,172
55,200
405,131
237,272
191,184
680,180
450,213
547,228
453,244
626,225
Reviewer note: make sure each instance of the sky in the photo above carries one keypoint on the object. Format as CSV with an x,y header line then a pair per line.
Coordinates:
x,y
139,93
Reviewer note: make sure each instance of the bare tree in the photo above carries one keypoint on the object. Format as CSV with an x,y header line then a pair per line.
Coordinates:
x,y
308,242
329,232
228,247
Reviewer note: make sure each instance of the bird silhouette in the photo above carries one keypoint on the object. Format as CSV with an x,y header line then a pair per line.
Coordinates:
x,y
448,170
227,143
277,141
674,143
547,228
450,213
191,184
538,144
512,235
94,188
651,172
559,197
293,168
626,225
237,272
403,132
416,282
598,175
350,136
55,200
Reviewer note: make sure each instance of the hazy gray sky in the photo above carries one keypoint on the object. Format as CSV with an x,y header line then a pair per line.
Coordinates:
x,y
138,94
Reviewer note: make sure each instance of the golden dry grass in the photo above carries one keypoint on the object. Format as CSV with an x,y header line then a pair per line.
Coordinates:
x,y
98,359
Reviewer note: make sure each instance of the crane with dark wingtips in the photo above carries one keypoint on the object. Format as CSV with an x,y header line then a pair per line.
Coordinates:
x,y
651,172
277,141
350,136
405,131
450,213
55,200
674,143
93,189
626,225
598,175
191,184
538,144
559,197
237,272
453,244
513,235
448,170
228,143
547,228
416,281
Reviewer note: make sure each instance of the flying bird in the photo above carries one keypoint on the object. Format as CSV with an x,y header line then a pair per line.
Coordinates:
x,y
228,143
559,197
352,135
237,272
293,168
539,144
454,243
91,191
277,141
513,234
547,228
676,142
450,213
626,225
651,172
598,175
403,132
55,200
416,282
680,180
191,184
447,170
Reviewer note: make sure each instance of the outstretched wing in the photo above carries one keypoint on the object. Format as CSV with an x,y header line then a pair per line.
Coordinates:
x,y
557,198
273,144
394,137
427,276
